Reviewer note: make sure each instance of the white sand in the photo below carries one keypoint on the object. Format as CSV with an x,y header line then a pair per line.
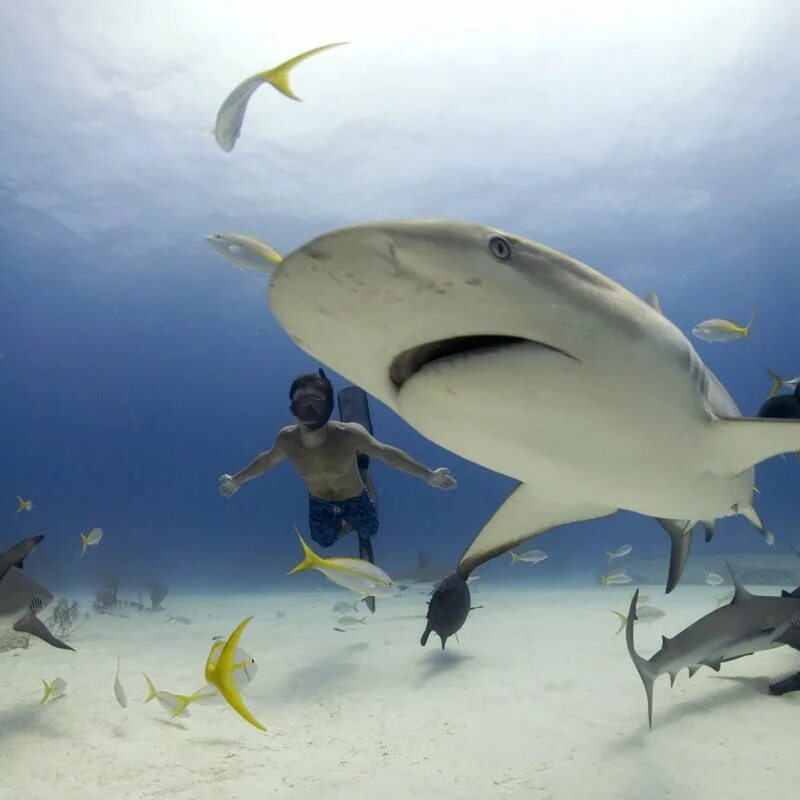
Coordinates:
x,y
538,700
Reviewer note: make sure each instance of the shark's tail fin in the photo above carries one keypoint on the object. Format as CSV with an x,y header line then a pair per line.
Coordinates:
x,y
646,671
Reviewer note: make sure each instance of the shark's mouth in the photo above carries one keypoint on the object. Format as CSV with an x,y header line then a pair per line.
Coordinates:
x,y
410,362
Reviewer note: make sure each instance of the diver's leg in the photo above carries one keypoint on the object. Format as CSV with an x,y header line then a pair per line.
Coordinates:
x,y
324,521
360,513
791,684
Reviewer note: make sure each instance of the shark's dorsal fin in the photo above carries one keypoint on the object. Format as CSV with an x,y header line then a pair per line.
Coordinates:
x,y
652,300
713,664
739,592
692,670
665,643
708,526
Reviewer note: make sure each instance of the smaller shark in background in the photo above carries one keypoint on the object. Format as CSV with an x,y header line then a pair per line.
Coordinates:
x,y
748,624
424,572
21,598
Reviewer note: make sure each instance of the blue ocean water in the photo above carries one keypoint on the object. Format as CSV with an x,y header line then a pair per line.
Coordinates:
x,y
136,366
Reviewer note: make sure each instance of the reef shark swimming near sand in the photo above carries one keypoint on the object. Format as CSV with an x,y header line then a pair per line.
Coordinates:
x,y
21,598
748,624
529,363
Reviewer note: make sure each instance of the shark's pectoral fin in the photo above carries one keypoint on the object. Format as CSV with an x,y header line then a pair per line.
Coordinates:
x,y
712,664
742,442
527,512
35,627
680,534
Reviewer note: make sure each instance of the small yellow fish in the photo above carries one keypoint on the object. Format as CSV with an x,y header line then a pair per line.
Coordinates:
x,y
779,383
615,579
91,538
23,505
356,574
54,689
176,704
722,330
231,113
220,673
244,251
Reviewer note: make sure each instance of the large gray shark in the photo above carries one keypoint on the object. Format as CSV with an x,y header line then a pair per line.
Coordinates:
x,y
21,598
525,361
748,624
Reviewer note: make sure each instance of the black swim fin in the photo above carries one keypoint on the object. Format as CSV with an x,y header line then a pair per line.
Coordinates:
x,y
354,407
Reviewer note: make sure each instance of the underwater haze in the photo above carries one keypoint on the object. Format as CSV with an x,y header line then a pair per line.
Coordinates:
x,y
655,142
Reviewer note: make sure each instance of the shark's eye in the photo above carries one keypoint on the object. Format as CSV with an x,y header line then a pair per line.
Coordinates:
x,y
500,248
768,630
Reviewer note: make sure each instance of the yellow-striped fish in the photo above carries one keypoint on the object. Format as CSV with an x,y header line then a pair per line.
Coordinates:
x,y
231,113
54,689
356,574
722,330
23,505
92,538
245,251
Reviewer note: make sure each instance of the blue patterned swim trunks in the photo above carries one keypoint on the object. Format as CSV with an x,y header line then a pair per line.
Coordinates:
x,y
325,518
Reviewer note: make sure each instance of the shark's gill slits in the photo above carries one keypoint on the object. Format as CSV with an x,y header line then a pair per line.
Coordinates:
x,y
36,603
409,362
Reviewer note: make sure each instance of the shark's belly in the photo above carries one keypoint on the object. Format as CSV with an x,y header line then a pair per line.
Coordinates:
x,y
543,418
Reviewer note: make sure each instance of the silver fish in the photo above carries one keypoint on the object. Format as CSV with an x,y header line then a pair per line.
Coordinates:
x,y
119,692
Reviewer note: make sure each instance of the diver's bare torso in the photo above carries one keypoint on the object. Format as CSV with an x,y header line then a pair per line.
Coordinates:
x,y
325,459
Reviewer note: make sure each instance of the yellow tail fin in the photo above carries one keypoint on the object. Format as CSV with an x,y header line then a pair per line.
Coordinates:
x,y
746,330
777,383
279,76
152,692
623,620
610,556
84,544
181,701
514,558
310,558
48,690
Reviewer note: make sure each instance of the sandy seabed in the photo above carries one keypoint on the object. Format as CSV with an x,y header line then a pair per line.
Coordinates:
x,y
539,699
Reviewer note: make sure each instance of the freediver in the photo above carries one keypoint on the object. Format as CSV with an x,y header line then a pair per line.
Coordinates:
x,y
326,454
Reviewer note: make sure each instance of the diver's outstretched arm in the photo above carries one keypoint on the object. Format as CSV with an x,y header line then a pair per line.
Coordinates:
x,y
399,459
229,484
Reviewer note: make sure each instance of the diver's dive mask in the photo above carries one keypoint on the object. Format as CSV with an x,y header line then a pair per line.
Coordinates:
x,y
312,410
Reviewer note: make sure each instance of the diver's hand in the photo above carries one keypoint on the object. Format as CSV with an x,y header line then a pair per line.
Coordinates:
x,y
442,479
228,485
